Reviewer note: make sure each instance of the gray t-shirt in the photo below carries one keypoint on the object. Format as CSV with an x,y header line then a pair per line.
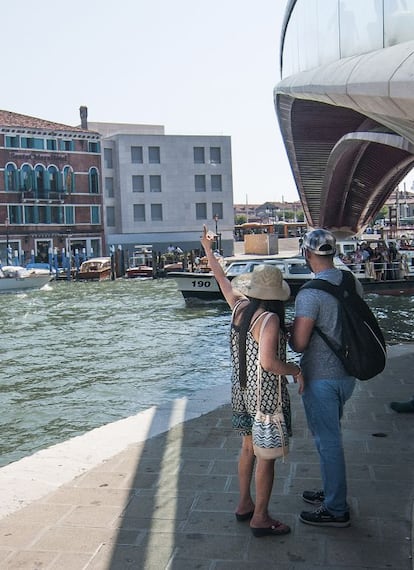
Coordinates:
x,y
318,361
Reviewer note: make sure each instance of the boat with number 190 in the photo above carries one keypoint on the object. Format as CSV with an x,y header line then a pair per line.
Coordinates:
x,y
202,287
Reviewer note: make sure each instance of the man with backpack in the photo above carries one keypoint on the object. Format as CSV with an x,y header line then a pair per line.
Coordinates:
x,y
328,385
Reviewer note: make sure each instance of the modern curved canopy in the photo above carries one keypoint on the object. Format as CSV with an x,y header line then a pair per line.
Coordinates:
x,y
348,129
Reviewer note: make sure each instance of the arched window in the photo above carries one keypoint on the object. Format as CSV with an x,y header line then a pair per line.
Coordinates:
x,y
11,178
68,180
26,178
40,180
53,178
93,181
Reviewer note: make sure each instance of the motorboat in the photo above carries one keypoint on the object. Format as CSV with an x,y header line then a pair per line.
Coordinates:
x,y
95,269
17,278
202,287
141,263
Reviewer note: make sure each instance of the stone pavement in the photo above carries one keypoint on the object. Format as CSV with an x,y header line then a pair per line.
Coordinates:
x,y
166,501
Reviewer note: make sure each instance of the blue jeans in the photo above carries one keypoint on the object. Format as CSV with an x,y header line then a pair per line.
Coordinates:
x,y
324,402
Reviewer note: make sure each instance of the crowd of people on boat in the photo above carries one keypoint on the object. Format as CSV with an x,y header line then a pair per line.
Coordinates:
x,y
383,262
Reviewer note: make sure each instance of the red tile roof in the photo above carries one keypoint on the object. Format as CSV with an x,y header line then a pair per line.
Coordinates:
x,y
16,120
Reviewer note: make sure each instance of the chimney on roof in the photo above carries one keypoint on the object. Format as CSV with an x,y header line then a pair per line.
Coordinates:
x,y
84,117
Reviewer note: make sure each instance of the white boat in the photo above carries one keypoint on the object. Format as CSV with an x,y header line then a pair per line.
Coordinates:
x,y
203,287
16,278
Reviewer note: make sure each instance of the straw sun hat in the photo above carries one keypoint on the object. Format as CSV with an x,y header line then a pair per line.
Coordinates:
x,y
264,282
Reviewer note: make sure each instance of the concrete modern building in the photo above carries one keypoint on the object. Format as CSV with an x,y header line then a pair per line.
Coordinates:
x,y
345,105
160,189
50,189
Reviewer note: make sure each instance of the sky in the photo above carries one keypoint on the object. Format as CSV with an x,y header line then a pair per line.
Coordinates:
x,y
196,67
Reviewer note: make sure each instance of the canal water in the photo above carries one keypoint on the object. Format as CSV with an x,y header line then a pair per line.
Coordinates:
x,y
75,356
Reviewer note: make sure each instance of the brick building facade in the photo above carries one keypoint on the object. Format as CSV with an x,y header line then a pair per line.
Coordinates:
x,y
50,189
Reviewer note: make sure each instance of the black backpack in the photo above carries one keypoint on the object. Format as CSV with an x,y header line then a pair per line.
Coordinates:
x,y
363,351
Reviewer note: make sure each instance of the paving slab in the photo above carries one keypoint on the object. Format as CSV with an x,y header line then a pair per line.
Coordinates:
x,y
162,494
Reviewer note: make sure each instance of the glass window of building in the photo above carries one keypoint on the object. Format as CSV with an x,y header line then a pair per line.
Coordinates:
x,y
216,185
66,145
95,214
109,187
15,214
93,181
69,215
139,212
108,158
56,215
312,36
29,215
200,183
136,155
53,178
201,211
154,154
11,178
361,26
12,142
39,180
155,183
26,142
95,246
26,177
156,212
94,146
68,179
199,155
110,216
42,213
398,21
32,142
137,183
215,155
51,144
217,208
327,32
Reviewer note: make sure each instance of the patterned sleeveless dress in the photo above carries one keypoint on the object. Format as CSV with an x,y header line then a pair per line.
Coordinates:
x,y
244,401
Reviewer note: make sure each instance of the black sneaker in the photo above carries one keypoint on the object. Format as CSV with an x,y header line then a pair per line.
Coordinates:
x,y
313,497
322,517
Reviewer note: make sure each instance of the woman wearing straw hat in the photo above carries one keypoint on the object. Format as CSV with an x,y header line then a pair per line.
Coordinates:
x,y
251,296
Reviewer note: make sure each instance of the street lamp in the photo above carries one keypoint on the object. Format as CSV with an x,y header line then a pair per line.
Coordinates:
x,y
215,218
6,223
218,236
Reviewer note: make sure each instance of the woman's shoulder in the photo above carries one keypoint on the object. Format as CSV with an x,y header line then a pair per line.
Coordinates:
x,y
263,318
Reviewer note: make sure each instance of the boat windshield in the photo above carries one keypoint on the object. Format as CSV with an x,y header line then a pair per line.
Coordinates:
x,y
299,269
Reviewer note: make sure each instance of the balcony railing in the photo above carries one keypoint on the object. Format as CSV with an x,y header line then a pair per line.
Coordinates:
x,y
42,195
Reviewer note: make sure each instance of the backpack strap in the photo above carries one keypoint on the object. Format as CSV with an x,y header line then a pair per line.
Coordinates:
x,y
340,292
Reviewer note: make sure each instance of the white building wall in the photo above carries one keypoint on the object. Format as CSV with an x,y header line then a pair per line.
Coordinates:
x,y
178,197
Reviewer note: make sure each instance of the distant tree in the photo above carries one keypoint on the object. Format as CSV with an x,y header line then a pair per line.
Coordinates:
x,y
382,214
240,219
289,215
